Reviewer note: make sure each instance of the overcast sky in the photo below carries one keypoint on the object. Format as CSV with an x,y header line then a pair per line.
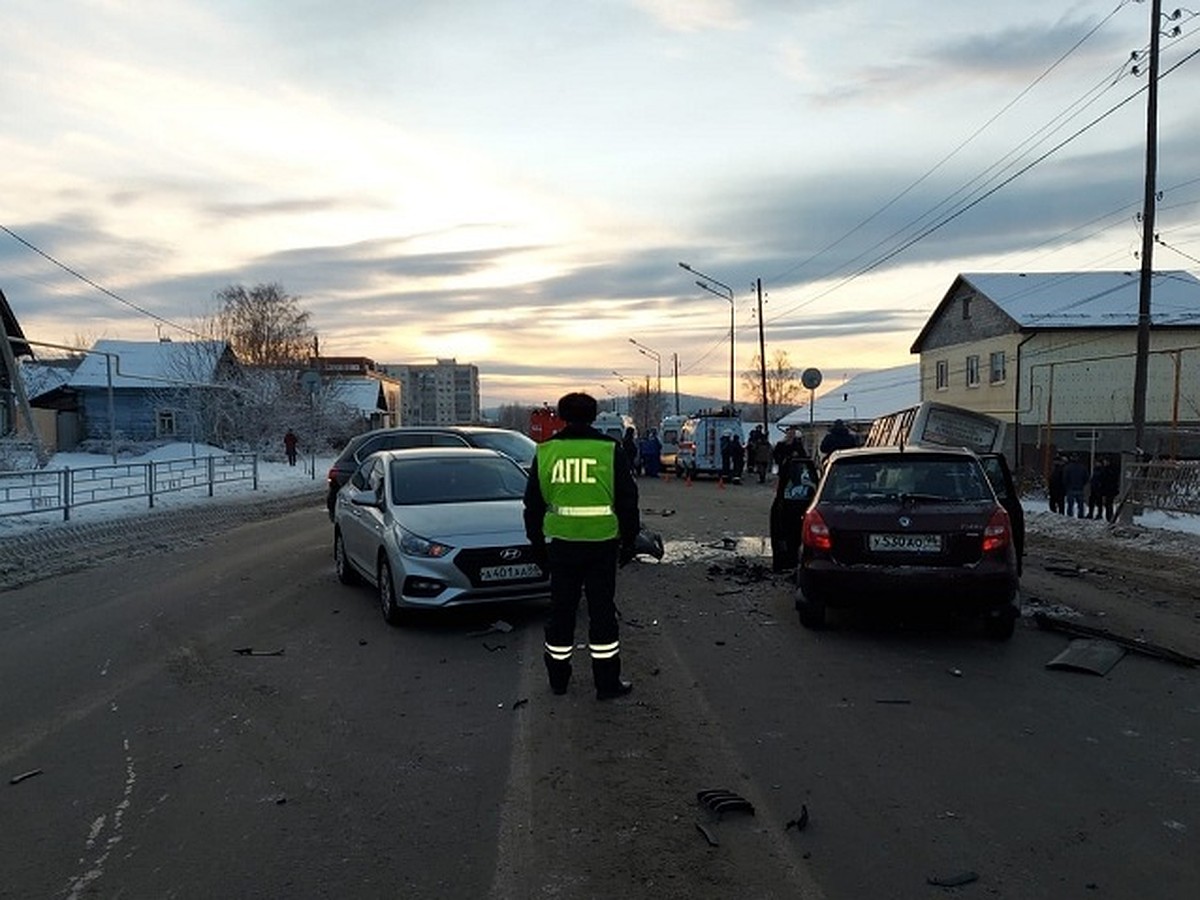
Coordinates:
x,y
512,184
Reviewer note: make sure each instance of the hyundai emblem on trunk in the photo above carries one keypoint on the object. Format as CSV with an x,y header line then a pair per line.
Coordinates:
x,y
905,521
510,553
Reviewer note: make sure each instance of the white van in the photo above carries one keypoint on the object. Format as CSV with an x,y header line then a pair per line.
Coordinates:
x,y
668,433
613,424
700,441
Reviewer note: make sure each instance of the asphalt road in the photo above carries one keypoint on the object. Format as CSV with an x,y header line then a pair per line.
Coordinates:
x,y
431,761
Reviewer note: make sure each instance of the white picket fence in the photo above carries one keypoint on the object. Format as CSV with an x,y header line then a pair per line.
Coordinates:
x,y
51,490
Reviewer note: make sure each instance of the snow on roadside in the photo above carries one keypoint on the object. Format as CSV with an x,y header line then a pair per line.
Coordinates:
x,y
1165,532
275,479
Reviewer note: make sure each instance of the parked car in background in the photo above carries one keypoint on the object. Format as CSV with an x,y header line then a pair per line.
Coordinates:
x,y
908,528
519,447
436,527
668,433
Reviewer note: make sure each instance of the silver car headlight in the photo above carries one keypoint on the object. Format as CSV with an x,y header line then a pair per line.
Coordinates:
x,y
415,545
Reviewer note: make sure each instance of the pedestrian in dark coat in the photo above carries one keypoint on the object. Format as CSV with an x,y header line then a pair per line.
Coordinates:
x,y
629,445
651,451
1110,487
737,457
839,437
1075,480
1055,486
289,445
790,445
758,453
1095,483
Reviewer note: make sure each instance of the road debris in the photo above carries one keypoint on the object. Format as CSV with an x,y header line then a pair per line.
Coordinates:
x,y
497,627
895,701
957,880
1068,571
1091,655
1051,623
250,651
720,800
492,648
801,821
709,834
17,779
517,704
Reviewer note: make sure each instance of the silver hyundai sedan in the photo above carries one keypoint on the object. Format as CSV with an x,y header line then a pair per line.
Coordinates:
x,y
436,527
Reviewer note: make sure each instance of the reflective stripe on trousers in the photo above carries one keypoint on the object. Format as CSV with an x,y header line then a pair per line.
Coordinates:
x,y
597,651
604,651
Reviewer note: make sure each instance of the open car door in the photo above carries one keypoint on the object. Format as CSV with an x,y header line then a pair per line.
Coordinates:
x,y
996,467
794,492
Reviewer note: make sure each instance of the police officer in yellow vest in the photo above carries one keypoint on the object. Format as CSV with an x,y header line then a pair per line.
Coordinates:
x,y
581,515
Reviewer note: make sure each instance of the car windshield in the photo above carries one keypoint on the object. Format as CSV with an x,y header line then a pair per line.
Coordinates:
x,y
446,480
879,479
512,444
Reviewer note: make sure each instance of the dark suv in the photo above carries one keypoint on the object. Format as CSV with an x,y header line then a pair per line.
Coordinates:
x,y
518,446
914,527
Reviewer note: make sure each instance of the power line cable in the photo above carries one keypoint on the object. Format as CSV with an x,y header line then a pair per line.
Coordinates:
x,y
945,159
99,287
950,217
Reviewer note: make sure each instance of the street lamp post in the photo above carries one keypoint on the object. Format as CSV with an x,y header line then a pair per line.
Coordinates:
x,y
654,355
628,391
727,293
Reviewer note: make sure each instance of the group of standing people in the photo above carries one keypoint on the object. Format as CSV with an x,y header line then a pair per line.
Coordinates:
x,y
758,452
733,456
645,456
1071,482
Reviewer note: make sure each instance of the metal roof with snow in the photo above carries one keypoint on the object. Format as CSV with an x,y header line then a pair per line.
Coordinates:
x,y
1055,300
148,364
864,397
364,395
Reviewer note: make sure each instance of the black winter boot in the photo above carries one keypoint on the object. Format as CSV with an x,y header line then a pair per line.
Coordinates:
x,y
607,674
559,672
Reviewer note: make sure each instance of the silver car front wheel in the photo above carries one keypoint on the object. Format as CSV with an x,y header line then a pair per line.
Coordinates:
x,y
387,594
341,565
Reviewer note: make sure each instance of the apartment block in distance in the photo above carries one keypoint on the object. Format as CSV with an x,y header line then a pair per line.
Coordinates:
x,y
444,393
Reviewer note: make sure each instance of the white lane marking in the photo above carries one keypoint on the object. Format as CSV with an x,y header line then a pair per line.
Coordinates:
x,y
81,883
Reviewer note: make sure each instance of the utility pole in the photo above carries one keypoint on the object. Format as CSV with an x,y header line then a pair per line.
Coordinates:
x,y
1141,361
762,357
675,360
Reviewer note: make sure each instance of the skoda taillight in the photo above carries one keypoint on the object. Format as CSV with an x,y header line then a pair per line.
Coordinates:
x,y
815,533
998,533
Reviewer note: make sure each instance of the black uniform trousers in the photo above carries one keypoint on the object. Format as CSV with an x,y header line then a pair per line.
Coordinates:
x,y
583,568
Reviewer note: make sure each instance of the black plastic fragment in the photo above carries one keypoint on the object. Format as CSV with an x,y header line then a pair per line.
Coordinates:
x,y
801,821
957,880
708,835
721,800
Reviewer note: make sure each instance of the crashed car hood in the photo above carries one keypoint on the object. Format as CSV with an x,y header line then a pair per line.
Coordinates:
x,y
497,521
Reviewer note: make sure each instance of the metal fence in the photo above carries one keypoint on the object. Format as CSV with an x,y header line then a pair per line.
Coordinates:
x,y
52,490
1170,485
